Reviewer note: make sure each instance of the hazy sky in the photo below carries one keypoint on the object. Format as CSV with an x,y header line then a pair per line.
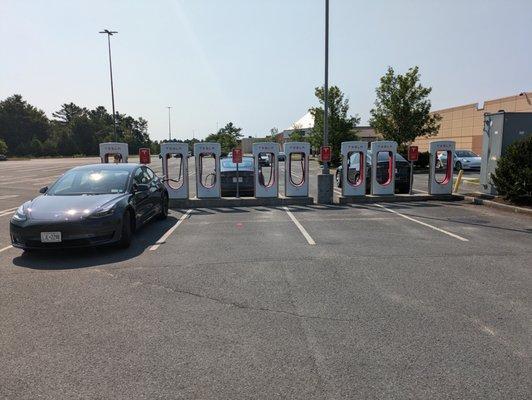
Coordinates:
x,y
256,62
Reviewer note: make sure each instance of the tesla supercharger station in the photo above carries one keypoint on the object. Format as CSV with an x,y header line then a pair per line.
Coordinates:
x,y
390,148
299,186
266,185
207,186
118,151
177,188
444,185
354,183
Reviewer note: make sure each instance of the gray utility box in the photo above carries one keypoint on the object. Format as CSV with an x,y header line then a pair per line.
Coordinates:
x,y
501,129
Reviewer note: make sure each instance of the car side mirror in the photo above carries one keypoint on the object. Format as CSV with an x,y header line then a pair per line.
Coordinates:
x,y
43,190
140,187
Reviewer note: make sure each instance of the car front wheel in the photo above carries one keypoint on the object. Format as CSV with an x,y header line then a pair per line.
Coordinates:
x,y
458,166
164,207
127,231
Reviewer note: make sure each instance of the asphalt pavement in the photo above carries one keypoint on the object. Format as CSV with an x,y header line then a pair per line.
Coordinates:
x,y
425,300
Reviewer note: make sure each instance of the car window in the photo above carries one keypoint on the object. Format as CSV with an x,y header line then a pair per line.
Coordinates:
x,y
228,164
90,181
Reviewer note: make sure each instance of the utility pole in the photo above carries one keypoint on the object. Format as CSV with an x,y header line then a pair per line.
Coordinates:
x,y
325,179
109,34
169,127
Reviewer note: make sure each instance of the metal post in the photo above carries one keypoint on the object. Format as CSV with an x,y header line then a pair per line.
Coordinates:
x,y
237,191
326,88
169,128
325,179
411,177
109,34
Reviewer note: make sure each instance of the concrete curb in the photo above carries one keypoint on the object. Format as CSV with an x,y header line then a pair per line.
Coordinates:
x,y
398,198
499,206
240,202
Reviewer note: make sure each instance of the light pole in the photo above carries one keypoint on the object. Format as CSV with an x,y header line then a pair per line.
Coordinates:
x,y
169,127
109,34
325,179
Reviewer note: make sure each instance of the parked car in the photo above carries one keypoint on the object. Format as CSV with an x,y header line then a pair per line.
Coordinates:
x,y
281,156
463,159
264,160
228,177
3,157
402,171
90,205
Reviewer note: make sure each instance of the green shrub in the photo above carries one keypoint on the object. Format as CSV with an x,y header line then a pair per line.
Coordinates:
x,y
513,175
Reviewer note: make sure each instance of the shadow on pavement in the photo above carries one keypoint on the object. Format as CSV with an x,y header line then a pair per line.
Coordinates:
x,y
62,259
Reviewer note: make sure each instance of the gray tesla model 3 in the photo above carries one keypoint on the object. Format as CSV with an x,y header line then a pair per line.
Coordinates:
x,y
90,205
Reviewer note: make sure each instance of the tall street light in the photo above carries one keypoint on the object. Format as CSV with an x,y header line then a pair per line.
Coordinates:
x,y
169,128
109,34
325,179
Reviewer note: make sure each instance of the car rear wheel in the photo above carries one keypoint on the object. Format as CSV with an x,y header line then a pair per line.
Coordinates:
x,y
439,164
458,166
127,231
164,207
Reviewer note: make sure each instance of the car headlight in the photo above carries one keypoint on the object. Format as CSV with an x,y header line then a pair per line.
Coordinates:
x,y
20,215
103,211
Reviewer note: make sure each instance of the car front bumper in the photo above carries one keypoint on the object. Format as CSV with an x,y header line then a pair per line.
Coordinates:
x,y
74,234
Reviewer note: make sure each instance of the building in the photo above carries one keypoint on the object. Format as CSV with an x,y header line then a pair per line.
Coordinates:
x,y
306,124
465,124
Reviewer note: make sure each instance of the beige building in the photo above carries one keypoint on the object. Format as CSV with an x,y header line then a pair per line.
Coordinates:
x,y
465,124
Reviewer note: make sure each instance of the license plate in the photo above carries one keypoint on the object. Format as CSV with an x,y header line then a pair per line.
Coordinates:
x,y
240,179
50,237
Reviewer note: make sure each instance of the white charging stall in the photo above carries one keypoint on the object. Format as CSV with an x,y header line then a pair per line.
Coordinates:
x,y
207,185
354,168
266,156
175,174
443,185
114,152
389,148
296,183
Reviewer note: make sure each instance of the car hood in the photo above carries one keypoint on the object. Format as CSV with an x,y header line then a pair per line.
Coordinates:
x,y
68,208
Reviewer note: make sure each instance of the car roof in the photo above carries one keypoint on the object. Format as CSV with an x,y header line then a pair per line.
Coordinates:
x,y
102,166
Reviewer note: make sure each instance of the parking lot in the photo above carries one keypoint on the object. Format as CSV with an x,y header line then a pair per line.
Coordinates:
x,y
405,300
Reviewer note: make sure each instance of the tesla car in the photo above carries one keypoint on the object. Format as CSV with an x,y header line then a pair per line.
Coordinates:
x,y
90,205
463,159
228,177
402,171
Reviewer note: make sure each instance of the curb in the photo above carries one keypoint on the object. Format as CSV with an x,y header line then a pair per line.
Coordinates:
x,y
240,202
368,199
499,206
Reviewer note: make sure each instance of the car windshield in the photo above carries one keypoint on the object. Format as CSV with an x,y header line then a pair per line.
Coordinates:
x,y
246,164
465,153
90,182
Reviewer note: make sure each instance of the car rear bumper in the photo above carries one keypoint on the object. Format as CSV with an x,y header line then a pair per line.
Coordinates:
x,y
84,233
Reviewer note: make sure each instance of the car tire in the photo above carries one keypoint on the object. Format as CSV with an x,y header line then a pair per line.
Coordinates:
x,y
403,189
164,207
458,166
439,164
127,232
338,180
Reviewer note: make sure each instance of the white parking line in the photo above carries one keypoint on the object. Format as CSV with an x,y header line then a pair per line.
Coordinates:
x,y
8,210
300,227
8,196
463,239
163,238
6,248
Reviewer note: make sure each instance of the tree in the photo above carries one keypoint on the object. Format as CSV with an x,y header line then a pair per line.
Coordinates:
x,y
3,147
227,136
402,108
513,175
341,125
298,134
20,123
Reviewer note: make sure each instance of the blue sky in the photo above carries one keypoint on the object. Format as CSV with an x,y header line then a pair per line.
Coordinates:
x,y
256,62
